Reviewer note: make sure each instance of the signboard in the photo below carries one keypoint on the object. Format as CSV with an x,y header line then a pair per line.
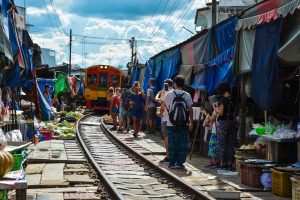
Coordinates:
x,y
237,3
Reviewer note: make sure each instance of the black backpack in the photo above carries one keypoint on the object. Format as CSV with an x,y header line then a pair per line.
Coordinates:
x,y
178,111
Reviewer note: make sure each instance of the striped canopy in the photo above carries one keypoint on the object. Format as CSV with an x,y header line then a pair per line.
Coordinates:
x,y
266,11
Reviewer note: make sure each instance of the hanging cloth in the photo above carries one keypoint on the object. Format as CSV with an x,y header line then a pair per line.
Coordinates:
x,y
265,81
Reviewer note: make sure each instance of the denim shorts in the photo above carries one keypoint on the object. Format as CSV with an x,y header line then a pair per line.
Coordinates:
x,y
164,130
115,110
123,113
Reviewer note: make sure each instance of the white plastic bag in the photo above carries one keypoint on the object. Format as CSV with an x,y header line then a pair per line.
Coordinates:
x,y
35,123
14,136
3,141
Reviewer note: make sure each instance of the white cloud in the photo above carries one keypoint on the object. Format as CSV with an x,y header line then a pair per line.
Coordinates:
x,y
117,53
35,11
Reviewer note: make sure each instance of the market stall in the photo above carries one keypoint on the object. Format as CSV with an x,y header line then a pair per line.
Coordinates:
x,y
267,61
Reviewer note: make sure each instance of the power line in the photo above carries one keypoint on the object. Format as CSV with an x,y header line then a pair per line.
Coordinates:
x,y
160,17
57,17
181,17
46,9
117,39
153,15
173,8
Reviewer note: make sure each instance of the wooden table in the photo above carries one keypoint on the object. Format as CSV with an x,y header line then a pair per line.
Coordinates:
x,y
282,150
20,186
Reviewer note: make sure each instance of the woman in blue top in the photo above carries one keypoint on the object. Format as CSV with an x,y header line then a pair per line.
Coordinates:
x,y
137,103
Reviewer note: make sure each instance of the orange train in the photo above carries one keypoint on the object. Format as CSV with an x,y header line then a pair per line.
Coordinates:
x,y
98,79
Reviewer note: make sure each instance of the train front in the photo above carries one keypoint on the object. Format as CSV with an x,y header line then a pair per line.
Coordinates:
x,y
98,80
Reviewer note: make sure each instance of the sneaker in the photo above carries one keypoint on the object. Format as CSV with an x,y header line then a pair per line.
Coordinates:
x,y
165,160
180,167
172,167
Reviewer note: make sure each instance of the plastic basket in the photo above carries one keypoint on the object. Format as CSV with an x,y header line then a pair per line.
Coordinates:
x,y
245,153
18,159
239,160
281,183
295,188
250,175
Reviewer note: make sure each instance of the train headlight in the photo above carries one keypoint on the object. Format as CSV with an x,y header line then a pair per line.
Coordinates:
x,y
101,67
105,67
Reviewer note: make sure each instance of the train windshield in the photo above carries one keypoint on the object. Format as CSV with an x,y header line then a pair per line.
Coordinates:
x,y
92,79
114,80
103,80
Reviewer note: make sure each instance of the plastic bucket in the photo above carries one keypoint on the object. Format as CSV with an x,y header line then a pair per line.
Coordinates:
x,y
18,159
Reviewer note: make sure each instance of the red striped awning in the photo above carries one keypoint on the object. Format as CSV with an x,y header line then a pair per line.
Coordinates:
x,y
266,12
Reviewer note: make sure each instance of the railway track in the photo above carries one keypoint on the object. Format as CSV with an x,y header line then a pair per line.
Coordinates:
x,y
125,173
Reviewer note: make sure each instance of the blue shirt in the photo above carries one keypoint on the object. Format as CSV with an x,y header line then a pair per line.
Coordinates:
x,y
138,100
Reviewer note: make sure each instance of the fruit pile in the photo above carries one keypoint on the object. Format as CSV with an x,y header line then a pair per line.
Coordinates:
x,y
249,146
63,130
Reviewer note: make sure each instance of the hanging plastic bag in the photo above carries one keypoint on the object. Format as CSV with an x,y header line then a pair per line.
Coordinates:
x,y
3,141
14,136
35,123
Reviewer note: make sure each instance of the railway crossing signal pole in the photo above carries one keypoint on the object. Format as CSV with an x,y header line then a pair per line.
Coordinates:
x,y
130,65
70,53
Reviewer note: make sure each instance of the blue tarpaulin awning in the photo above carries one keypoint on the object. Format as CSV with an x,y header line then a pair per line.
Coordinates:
x,y
225,34
45,107
265,80
169,68
219,70
135,74
147,76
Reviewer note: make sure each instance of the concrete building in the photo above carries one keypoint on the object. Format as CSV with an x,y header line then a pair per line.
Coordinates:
x,y
225,9
48,57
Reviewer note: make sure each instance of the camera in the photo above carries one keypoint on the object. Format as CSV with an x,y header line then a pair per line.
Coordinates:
x,y
166,86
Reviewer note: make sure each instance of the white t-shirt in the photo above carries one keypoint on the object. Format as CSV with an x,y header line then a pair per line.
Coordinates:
x,y
169,97
165,116
150,93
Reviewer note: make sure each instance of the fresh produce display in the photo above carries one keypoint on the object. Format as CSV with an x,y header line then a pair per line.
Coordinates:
x,y
6,162
63,113
249,146
63,129
74,115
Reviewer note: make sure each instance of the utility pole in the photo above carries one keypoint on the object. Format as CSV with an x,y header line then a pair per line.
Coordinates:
x,y
214,12
132,42
70,53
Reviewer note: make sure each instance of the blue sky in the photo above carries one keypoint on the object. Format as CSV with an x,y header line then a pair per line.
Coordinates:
x,y
157,24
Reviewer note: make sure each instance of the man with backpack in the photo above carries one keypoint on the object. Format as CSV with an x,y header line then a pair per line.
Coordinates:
x,y
179,106
150,107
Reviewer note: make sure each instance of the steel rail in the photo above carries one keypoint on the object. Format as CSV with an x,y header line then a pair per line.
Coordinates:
x,y
108,185
184,185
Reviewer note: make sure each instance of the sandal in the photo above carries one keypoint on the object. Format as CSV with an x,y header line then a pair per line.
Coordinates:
x,y
120,131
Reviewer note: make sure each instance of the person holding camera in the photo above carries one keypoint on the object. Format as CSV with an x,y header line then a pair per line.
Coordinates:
x,y
168,86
